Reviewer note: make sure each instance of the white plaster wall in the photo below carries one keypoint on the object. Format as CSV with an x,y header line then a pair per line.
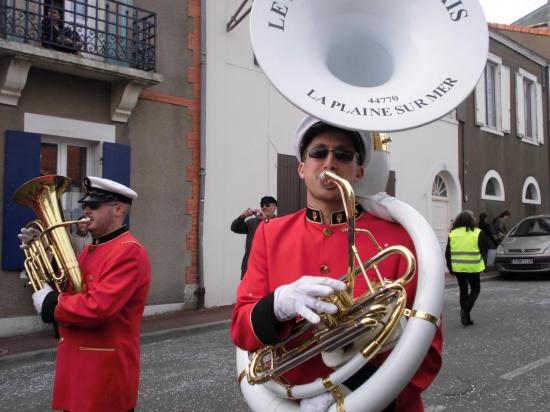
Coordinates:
x,y
247,124
417,156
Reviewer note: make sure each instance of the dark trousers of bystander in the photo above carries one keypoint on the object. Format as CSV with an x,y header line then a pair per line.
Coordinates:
x,y
470,286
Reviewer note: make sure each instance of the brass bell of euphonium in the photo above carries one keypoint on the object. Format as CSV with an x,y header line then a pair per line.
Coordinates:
x,y
50,256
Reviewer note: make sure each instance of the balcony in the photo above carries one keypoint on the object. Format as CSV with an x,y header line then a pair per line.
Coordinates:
x,y
103,39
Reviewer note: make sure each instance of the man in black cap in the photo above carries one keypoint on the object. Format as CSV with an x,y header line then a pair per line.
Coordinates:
x,y
248,221
97,365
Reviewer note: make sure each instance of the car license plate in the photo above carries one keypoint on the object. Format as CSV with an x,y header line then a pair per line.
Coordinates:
x,y
522,261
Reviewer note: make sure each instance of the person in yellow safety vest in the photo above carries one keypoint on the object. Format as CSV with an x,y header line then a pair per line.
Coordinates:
x,y
465,248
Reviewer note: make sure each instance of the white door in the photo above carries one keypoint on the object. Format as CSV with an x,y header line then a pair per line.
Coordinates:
x,y
441,221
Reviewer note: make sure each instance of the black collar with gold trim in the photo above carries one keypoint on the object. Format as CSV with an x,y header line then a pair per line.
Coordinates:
x,y
110,236
336,218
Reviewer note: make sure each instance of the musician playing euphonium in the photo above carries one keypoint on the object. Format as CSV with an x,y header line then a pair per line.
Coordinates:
x,y
97,364
297,258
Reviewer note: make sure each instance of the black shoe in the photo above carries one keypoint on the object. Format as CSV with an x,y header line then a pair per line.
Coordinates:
x,y
465,318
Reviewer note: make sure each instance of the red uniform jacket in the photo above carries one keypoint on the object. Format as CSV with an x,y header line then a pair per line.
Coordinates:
x,y
97,365
300,244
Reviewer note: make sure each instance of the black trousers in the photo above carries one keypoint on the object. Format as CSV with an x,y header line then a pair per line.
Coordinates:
x,y
470,286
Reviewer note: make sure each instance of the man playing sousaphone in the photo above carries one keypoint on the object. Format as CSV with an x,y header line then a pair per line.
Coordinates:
x,y
300,257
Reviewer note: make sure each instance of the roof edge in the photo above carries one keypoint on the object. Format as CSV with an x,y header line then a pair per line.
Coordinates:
x,y
522,29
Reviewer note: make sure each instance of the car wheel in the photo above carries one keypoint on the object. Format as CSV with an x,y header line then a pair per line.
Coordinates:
x,y
505,275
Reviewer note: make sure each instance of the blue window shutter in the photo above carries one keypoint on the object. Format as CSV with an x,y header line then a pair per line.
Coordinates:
x,y
116,162
116,165
22,163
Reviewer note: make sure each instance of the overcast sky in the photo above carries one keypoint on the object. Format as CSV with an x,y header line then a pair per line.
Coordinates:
x,y
508,11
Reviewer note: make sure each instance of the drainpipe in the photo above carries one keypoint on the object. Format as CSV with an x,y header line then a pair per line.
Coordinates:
x,y
463,161
202,174
461,118
547,141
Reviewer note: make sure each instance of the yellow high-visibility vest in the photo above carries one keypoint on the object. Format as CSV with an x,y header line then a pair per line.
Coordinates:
x,y
465,254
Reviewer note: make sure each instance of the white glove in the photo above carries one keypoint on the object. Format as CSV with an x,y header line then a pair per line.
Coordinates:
x,y
39,296
319,403
300,298
27,235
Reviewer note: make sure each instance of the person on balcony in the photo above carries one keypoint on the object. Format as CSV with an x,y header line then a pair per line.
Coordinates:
x,y
56,35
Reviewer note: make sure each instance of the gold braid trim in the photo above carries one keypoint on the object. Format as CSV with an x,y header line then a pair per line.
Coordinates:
x,y
422,315
337,394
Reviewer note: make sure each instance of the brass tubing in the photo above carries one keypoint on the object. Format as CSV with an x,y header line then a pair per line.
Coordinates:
x,y
380,307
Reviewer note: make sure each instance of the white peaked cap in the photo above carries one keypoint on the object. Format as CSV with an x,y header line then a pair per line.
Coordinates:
x,y
99,189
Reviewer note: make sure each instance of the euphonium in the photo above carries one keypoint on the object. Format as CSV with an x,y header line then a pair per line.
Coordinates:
x,y
376,313
50,256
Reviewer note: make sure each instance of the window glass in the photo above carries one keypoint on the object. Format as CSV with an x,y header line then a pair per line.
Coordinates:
x,y
439,188
532,227
76,170
76,165
528,86
78,7
48,159
491,95
530,194
490,188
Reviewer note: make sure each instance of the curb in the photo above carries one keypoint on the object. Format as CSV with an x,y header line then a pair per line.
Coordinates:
x,y
150,337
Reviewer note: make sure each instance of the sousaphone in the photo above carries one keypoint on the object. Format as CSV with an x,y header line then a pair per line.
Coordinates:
x,y
377,66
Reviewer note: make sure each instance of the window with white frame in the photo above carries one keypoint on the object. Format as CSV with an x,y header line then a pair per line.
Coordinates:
x,y
492,97
531,191
71,158
529,114
75,154
492,187
56,145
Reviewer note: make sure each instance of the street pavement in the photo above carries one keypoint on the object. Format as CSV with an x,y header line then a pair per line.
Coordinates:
x,y
188,364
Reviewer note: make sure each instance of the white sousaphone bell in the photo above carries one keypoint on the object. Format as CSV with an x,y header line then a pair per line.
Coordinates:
x,y
377,66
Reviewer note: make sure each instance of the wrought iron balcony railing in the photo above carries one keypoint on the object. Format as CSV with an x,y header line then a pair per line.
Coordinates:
x,y
111,30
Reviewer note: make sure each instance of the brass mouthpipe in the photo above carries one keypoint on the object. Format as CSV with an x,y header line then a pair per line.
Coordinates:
x,y
348,200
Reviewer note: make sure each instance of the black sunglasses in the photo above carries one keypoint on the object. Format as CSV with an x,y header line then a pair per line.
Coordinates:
x,y
96,205
342,155
265,205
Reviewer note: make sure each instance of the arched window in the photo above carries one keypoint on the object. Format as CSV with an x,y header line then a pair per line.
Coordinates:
x,y
439,188
492,187
531,191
